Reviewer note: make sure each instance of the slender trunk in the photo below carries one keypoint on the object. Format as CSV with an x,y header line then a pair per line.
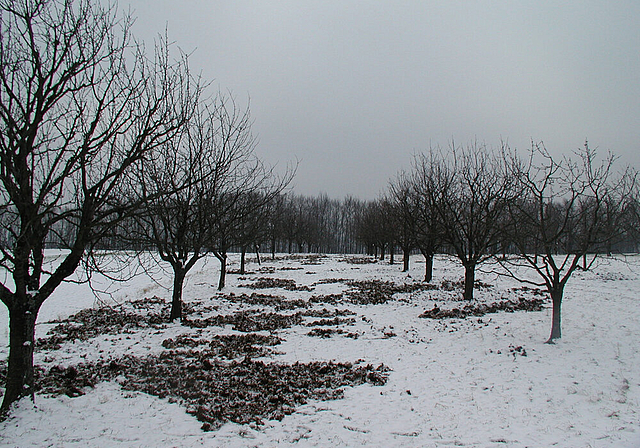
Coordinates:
x,y
382,253
391,255
176,298
243,254
428,268
556,298
223,271
258,254
20,380
273,248
405,259
469,280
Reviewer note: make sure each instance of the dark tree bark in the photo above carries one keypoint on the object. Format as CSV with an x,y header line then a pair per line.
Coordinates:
x,y
406,253
243,254
469,280
259,261
428,267
176,297
556,320
222,257
20,373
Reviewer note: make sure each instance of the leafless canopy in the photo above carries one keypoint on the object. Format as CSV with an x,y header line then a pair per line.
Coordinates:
x,y
80,106
567,210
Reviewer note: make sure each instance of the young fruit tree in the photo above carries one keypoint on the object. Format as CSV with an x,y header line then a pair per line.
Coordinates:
x,y
567,210
80,107
375,228
238,213
403,215
242,188
428,228
182,178
470,194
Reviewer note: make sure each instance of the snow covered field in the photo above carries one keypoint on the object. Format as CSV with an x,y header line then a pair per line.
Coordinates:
x,y
487,381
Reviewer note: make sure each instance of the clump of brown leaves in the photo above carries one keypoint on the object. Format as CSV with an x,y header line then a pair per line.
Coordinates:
x,y
245,391
508,306
269,282
92,322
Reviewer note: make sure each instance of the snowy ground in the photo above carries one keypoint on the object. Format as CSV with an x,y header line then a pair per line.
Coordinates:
x,y
454,382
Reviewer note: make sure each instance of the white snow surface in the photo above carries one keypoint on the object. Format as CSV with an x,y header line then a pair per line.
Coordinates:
x,y
454,382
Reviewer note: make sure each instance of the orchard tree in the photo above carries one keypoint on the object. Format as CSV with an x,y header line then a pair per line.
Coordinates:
x,y
403,215
242,186
186,176
428,227
375,228
252,227
471,192
567,210
231,212
81,106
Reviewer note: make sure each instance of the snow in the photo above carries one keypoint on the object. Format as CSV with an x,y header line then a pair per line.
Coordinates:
x,y
454,382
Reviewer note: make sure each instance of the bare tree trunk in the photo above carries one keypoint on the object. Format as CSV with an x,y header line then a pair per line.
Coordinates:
x,y
176,298
391,255
405,259
258,254
428,267
20,380
243,254
469,280
382,248
556,298
223,270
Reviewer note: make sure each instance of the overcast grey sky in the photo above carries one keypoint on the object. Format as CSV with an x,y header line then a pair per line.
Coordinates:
x,y
353,88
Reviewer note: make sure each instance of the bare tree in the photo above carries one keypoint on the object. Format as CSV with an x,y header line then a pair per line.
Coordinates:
x,y
403,215
470,195
187,174
567,210
317,223
80,107
244,188
232,211
632,223
375,229
252,227
428,228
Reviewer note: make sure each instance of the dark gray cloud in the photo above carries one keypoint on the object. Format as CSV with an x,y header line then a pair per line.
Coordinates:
x,y
352,89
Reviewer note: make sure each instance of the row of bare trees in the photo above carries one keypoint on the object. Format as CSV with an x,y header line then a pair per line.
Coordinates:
x,y
551,216
315,224
208,193
102,144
